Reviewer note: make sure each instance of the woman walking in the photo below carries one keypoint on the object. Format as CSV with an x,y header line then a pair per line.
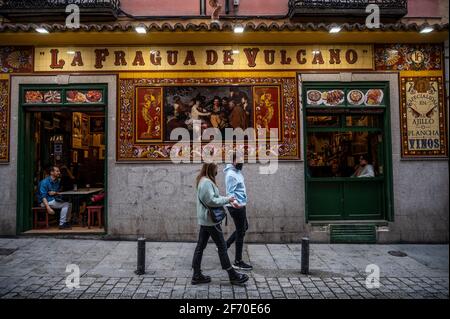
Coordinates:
x,y
208,195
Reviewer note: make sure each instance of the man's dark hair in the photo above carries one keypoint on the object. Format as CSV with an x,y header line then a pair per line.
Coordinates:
x,y
365,157
244,96
53,167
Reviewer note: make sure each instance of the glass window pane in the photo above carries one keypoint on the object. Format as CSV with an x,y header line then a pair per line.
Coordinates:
x,y
322,121
363,121
344,154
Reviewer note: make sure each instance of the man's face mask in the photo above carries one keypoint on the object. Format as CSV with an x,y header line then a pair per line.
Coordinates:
x,y
239,166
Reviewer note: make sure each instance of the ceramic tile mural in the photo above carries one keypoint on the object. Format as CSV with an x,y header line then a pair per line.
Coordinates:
x,y
150,109
408,57
4,121
423,117
16,59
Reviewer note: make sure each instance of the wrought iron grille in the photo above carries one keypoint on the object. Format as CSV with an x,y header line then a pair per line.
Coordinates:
x,y
396,7
348,4
55,10
56,4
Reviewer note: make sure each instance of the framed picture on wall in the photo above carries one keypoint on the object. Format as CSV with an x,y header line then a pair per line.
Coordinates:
x,y
96,124
76,130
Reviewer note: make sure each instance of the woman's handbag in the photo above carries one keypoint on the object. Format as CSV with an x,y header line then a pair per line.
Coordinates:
x,y
217,214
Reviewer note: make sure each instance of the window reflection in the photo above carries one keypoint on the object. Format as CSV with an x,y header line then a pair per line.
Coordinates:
x,y
338,154
362,120
322,121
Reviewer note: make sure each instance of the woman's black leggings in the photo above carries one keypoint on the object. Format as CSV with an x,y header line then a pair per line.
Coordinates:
x,y
215,232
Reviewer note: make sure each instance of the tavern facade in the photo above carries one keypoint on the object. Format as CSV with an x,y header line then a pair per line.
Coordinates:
x,y
102,101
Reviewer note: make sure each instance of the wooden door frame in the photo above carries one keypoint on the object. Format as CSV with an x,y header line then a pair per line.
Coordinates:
x,y
24,147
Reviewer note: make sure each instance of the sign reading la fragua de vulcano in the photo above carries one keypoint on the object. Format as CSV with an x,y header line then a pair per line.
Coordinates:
x,y
204,58
423,117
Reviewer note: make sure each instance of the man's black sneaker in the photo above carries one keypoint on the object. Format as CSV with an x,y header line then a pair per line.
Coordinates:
x,y
200,279
237,278
241,265
65,226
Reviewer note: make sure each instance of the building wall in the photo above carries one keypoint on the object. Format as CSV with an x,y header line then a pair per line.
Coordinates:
x,y
158,200
416,8
8,185
421,187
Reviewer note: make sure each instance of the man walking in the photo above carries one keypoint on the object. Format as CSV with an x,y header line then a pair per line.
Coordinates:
x,y
235,187
50,199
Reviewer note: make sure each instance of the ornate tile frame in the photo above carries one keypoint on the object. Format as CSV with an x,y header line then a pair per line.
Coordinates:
x,y
443,152
129,151
5,123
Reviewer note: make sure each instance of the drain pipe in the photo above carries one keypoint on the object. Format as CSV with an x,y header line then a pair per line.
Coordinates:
x,y
227,6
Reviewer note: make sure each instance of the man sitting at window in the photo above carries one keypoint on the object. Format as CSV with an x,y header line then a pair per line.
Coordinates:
x,y
364,169
50,198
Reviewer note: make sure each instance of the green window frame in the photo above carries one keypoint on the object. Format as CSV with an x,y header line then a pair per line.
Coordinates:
x,y
340,111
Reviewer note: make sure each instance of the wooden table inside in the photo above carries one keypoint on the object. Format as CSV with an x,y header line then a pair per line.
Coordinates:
x,y
82,191
76,194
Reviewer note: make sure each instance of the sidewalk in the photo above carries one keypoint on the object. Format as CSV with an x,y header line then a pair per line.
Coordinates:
x,y
36,269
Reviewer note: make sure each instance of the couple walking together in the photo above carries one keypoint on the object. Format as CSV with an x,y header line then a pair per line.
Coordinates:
x,y
235,200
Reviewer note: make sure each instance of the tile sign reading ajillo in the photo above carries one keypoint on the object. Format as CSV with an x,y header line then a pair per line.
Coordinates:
x,y
423,117
312,57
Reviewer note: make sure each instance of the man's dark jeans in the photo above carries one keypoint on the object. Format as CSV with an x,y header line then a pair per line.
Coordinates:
x,y
240,221
215,232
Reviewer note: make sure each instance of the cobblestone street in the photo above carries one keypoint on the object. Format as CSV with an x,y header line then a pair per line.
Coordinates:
x,y
35,268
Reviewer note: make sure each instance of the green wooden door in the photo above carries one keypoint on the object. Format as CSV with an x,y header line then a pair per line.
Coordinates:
x,y
25,187
345,124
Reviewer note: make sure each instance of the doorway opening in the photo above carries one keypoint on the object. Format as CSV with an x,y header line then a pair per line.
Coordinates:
x,y
63,127
348,152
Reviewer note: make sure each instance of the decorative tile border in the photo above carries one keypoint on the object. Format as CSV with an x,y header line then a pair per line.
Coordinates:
x,y
16,59
129,150
4,121
408,57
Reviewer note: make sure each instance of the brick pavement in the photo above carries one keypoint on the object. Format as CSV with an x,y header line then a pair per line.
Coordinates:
x,y
37,270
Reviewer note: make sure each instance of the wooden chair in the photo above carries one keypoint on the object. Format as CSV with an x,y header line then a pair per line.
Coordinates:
x,y
39,223
91,211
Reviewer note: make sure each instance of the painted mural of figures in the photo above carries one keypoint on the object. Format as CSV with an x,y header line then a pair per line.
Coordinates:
x,y
238,118
218,107
149,109
245,104
218,120
268,104
197,112
149,102
177,106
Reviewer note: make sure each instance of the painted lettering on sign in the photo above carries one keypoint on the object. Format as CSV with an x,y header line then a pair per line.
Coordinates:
x,y
201,58
423,117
